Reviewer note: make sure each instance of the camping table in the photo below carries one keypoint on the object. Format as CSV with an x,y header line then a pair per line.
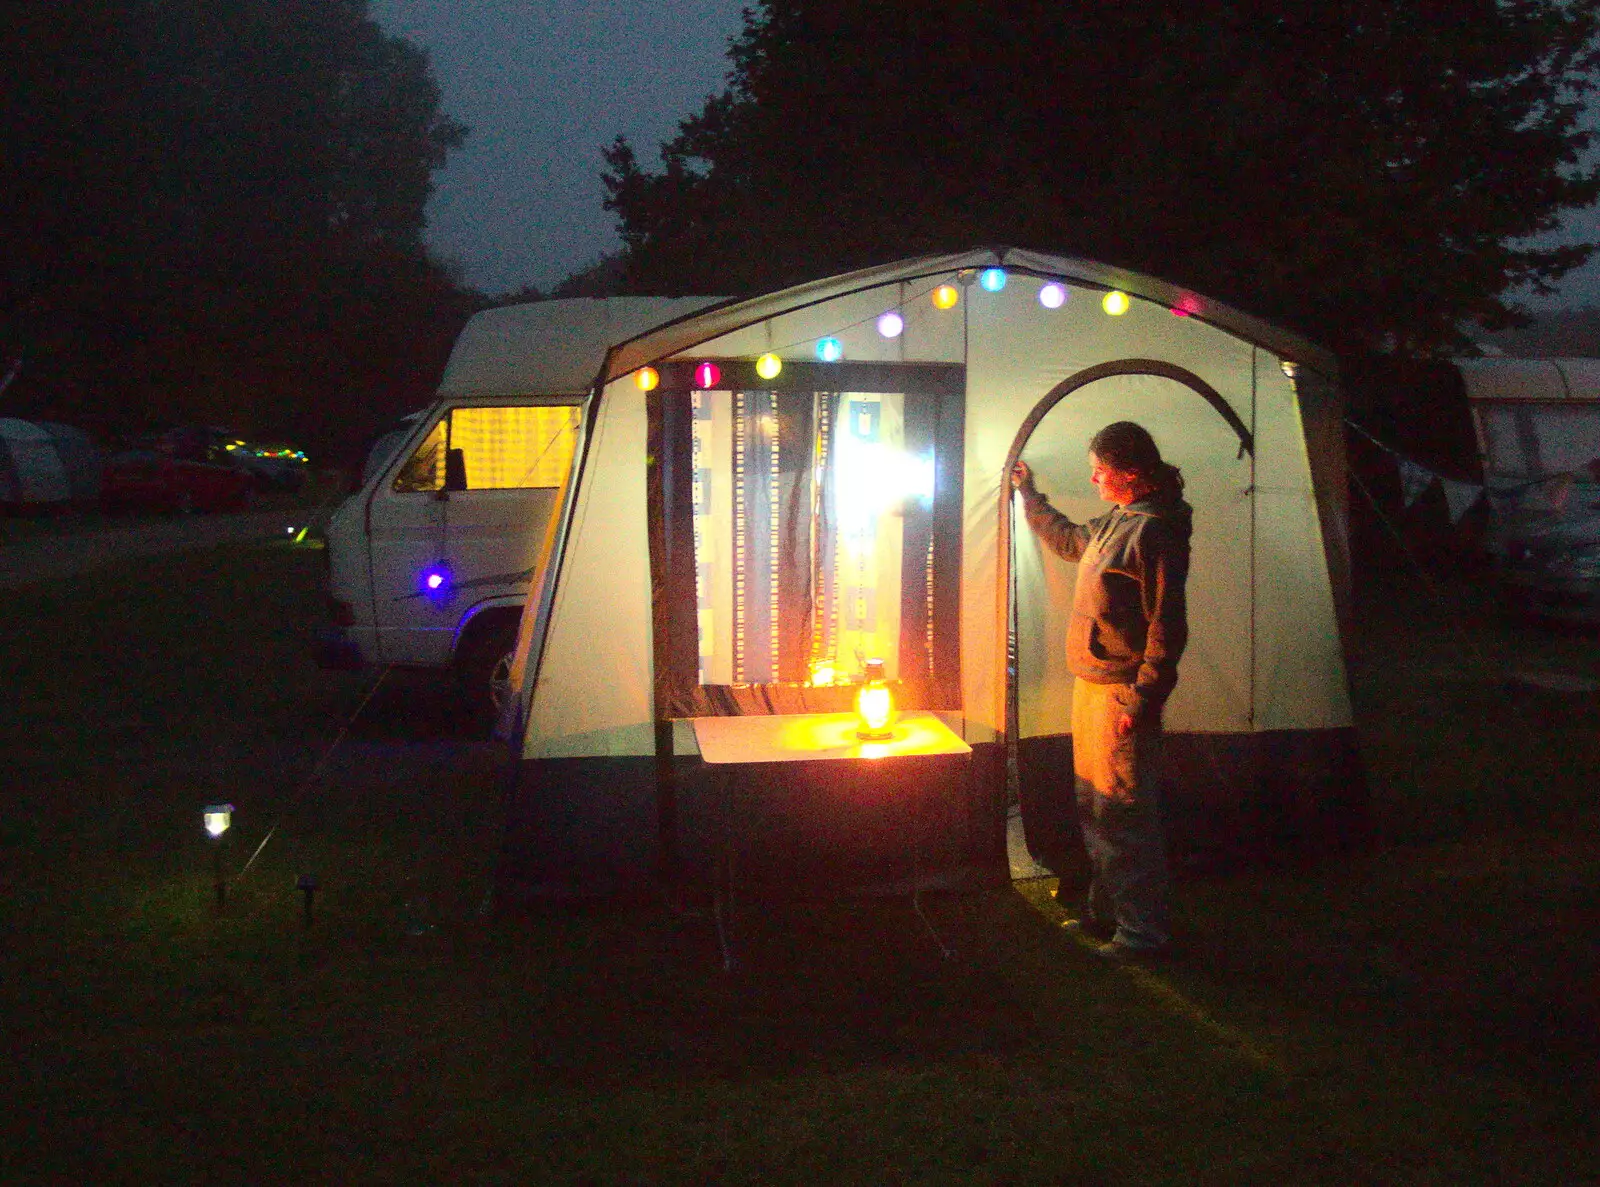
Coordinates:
x,y
741,752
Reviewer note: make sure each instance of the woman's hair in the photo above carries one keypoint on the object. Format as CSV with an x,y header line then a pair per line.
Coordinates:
x,y
1130,448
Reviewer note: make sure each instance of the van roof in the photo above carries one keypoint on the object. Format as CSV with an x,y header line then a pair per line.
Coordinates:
x,y
551,347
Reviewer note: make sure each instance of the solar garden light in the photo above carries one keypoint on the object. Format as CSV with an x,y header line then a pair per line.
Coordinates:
x,y
218,817
874,705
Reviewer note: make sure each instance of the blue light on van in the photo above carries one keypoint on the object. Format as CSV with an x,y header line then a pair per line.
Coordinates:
x,y
435,581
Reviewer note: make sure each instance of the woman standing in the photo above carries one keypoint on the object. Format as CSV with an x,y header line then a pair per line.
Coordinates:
x,y
1126,635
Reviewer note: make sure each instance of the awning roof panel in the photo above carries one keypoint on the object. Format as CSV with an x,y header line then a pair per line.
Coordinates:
x,y
687,333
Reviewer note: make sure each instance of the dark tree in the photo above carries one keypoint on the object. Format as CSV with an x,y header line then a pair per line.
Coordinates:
x,y
216,214
1367,171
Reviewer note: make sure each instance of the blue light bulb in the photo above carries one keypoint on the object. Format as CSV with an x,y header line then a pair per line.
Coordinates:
x,y
435,581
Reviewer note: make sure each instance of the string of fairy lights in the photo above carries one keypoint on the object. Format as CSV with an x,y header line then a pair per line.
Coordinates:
x,y
891,322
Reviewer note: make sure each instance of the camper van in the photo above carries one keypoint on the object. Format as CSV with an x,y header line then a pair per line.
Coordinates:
x,y
431,560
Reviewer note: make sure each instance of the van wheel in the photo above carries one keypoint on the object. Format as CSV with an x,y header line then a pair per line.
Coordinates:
x,y
483,668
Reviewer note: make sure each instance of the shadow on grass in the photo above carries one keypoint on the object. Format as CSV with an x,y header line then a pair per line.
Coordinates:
x,y
818,987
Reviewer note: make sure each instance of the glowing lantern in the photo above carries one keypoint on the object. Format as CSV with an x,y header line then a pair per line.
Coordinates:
x,y
830,350
218,817
647,378
992,279
707,376
1115,303
768,366
1187,306
874,705
823,673
890,324
1052,296
946,296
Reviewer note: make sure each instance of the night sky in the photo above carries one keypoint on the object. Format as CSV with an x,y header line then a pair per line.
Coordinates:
x,y
544,85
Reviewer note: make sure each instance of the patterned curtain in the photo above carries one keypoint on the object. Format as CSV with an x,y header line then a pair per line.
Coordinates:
x,y
813,548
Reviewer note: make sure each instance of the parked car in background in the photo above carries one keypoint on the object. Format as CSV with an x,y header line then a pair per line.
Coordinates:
x,y
150,480
199,468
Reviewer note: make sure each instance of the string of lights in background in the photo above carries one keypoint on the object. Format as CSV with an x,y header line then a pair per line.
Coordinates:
x,y
282,453
891,323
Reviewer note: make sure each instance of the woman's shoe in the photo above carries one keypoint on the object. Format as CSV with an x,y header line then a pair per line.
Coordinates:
x,y
1092,928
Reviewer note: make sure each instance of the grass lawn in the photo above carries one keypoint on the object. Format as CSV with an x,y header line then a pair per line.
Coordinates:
x,y
1424,1013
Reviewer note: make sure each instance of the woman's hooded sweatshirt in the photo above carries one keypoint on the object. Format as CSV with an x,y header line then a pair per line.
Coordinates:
x,y
1129,621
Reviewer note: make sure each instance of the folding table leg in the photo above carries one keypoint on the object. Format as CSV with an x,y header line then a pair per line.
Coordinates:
x,y
722,908
722,875
918,829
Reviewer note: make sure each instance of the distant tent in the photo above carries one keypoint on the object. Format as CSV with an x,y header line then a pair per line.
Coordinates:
x,y
42,463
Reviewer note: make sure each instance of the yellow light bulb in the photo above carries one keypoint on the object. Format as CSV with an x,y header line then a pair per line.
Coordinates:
x,y
768,366
647,378
946,296
1115,303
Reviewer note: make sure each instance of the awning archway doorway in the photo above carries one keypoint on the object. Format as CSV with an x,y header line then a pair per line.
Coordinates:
x,y
1212,444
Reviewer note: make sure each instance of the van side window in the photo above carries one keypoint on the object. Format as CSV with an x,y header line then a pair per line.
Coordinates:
x,y
424,469
515,447
509,447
